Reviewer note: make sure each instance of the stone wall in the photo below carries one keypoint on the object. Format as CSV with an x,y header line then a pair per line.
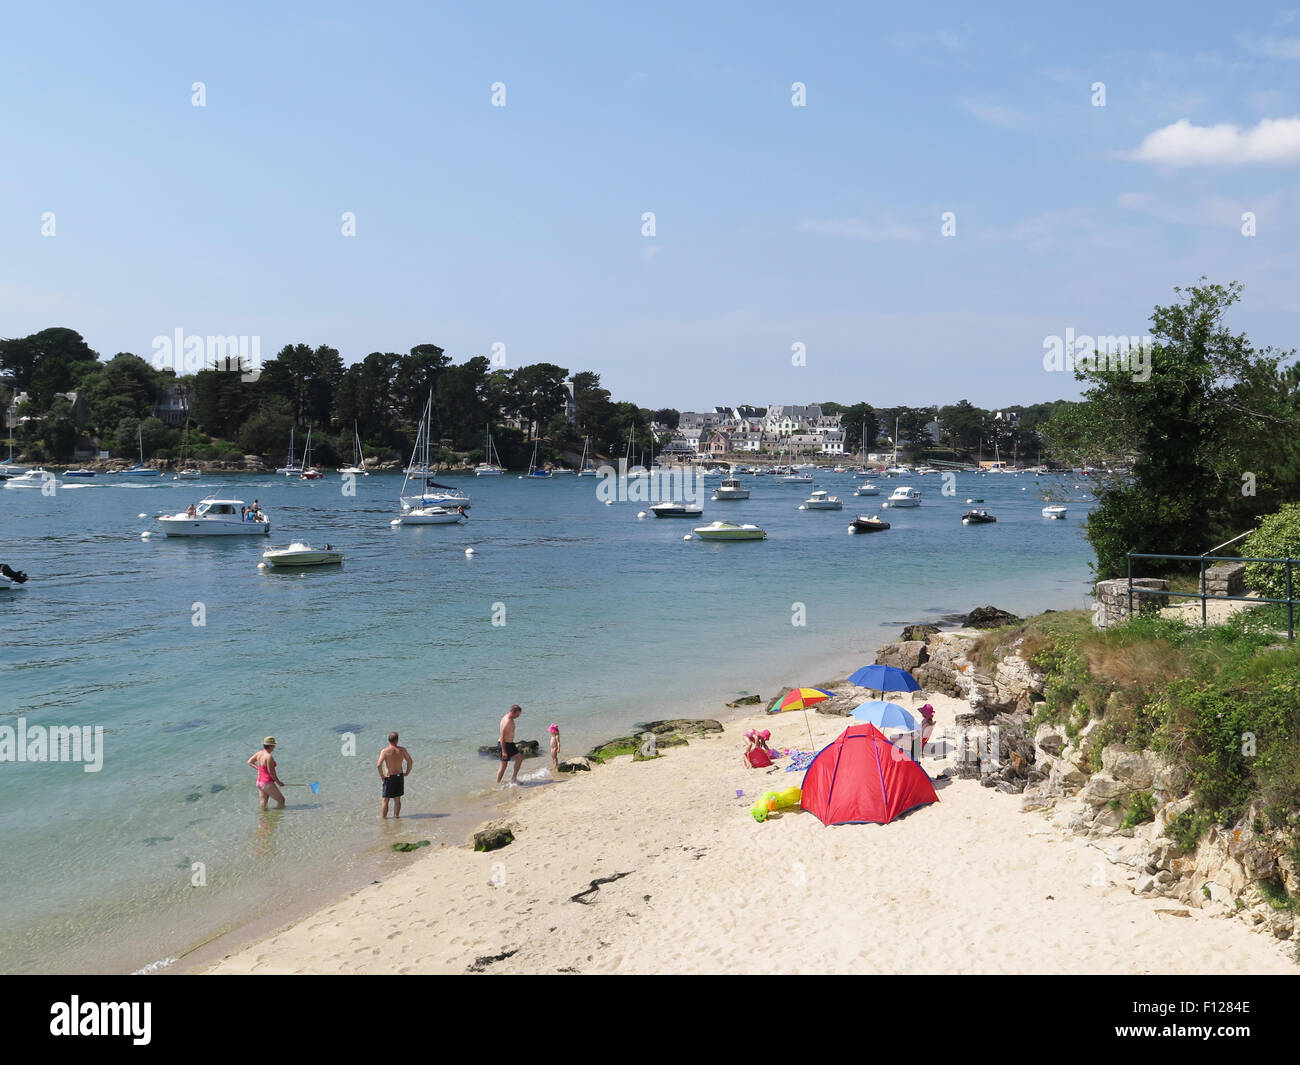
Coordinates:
x,y
1112,599
1228,578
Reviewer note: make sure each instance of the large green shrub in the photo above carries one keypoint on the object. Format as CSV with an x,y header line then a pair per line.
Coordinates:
x,y
1278,536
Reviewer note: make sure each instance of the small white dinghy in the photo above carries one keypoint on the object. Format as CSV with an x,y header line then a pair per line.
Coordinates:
x,y
300,554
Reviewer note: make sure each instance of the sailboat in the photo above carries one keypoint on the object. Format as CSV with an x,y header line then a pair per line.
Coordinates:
x,y
535,472
491,464
308,471
188,473
585,467
289,469
358,461
140,469
447,506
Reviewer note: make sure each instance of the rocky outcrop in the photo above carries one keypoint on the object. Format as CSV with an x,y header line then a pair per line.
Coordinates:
x,y
918,632
682,726
909,655
652,736
989,617
574,765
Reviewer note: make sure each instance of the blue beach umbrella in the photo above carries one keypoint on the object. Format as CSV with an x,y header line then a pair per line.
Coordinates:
x,y
885,715
885,679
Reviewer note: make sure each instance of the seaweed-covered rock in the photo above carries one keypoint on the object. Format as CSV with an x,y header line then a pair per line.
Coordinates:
x,y
684,726
574,765
989,617
494,835
746,700
528,748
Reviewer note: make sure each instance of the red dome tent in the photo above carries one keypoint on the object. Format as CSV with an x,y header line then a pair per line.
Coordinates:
x,y
860,776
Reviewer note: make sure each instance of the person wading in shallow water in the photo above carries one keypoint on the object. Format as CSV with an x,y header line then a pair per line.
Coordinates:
x,y
267,778
507,742
393,774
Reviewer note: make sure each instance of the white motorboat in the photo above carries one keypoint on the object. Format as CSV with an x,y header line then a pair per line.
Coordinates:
x,y
676,510
867,489
217,517
731,488
79,473
725,530
821,500
11,578
188,474
1054,510
36,478
301,554
903,496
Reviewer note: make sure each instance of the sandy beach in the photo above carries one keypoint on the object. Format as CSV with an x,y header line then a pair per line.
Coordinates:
x,y
967,885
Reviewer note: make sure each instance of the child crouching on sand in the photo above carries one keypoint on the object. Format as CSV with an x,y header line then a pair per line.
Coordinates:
x,y
757,755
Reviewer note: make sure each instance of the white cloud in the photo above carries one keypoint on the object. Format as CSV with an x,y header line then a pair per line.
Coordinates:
x,y
995,114
1216,211
1273,140
1272,47
861,229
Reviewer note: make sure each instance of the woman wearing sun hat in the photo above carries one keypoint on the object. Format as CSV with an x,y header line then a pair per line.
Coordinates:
x,y
267,777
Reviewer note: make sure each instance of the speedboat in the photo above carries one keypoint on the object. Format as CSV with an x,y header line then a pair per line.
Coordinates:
x,y
867,489
217,517
725,530
310,473
188,474
676,510
36,478
862,524
904,496
11,578
79,473
820,500
300,554
977,517
730,488
1054,510
431,515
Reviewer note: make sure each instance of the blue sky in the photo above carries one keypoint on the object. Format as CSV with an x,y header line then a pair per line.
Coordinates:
x,y
775,225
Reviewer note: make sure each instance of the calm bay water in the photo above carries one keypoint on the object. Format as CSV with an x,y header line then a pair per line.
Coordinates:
x,y
609,620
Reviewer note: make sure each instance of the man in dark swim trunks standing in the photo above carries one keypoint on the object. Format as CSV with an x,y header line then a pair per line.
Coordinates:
x,y
508,748
394,764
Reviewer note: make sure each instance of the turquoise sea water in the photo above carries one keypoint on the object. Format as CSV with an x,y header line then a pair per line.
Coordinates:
x,y
609,620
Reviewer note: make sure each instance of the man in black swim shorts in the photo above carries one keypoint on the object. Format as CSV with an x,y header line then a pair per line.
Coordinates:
x,y
394,764
509,750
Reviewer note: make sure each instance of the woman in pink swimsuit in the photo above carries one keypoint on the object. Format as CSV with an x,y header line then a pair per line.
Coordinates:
x,y
267,778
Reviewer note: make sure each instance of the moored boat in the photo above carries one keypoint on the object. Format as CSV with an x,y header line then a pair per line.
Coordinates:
x,y
863,524
1054,510
725,530
676,510
977,517
903,496
822,500
867,489
302,554
217,517
730,488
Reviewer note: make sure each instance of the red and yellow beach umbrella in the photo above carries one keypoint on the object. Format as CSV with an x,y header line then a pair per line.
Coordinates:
x,y
801,699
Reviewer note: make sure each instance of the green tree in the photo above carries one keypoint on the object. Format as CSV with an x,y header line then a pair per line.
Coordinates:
x,y
1208,421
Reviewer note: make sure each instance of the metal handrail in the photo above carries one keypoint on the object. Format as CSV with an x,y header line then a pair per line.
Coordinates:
x,y
1290,601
